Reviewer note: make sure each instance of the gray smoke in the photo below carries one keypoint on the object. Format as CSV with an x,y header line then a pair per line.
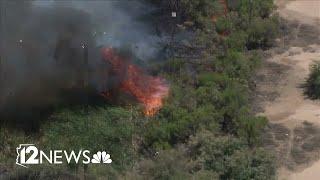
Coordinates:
x,y
117,24
47,44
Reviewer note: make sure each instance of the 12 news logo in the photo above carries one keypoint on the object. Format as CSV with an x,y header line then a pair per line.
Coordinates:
x,y
28,154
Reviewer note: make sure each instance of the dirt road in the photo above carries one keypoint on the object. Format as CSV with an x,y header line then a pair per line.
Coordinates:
x,y
291,109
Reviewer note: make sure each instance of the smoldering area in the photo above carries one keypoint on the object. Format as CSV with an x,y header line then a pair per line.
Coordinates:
x,y
51,49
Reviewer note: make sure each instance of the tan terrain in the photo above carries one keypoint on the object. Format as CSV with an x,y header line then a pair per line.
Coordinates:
x,y
296,116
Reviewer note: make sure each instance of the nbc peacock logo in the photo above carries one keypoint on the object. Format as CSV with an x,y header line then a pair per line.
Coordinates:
x,y
101,157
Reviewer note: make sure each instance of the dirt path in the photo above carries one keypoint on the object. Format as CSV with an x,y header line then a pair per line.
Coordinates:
x,y
290,108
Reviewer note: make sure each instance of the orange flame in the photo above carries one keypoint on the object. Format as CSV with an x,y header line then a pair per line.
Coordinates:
x,y
148,90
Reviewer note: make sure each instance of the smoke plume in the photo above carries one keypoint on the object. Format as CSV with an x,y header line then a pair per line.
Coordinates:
x,y
49,46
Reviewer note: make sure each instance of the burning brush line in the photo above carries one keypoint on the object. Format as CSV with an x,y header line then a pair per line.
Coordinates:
x,y
148,90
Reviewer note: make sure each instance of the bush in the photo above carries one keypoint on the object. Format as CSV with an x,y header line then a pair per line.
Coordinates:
x,y
230,157
235,65
251,128
262,32
224,25
169,165
237,41
40,173
99,129
246,164
312,85
253,8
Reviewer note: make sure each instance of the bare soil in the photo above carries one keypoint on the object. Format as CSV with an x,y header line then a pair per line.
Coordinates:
x,y
294,129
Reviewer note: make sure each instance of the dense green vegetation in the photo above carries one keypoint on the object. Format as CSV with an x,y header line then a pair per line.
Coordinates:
x,y
205,129
312,85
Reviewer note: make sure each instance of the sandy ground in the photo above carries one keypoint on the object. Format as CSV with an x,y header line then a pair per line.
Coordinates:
x,y
306,11
291,108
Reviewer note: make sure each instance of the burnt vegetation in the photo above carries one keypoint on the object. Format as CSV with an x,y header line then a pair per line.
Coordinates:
x,y
205,129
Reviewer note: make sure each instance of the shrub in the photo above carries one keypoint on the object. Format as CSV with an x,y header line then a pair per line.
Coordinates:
x,y
253,8
251,127
261,33
231,158
237,40
98,129
223,25
235,65
312,84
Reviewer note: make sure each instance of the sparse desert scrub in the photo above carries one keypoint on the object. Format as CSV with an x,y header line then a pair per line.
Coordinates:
x,y
312,84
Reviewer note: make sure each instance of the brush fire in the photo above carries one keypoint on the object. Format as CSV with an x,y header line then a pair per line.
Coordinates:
x,y
148,90
52,58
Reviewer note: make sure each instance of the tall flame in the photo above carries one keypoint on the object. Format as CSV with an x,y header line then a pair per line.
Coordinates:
x,y
148,90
